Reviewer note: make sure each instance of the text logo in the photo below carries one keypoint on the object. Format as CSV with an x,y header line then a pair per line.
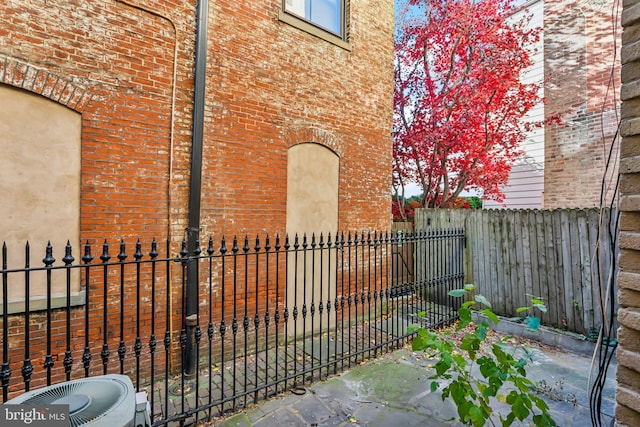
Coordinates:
x,y
34,415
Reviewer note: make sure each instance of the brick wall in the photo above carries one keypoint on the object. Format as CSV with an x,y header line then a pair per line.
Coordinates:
x,y
115,64
578,52
268,83
121,60
269,86
628,390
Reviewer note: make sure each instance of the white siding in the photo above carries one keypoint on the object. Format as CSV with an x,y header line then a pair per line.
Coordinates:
x,y
524,190
526,180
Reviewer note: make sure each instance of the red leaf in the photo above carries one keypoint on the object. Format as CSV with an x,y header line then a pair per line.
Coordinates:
x,y
459,102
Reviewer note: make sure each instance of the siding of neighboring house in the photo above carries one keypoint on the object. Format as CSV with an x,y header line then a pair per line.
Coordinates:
x,y
524,189
526,179
565,161
628,354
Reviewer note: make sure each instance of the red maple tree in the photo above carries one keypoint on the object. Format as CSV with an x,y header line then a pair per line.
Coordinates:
x,y
459,102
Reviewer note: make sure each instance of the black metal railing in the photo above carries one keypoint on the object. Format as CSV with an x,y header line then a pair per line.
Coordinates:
x,y
273,314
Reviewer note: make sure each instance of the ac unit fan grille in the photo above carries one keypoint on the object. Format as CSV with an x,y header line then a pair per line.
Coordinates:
x,y
103,394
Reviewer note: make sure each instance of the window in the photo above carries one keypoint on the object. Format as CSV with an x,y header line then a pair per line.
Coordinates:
x,y
326,19
324,13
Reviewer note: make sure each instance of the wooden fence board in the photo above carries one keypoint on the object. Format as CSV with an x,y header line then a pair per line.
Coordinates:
x,y
576,275
533,259
512,284
585,264
552,303
542,261
609,239
558,285
594,219
493,266
480,249
513,255
520,262
501,291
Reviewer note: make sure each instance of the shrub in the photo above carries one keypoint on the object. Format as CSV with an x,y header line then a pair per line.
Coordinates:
x,y
472,395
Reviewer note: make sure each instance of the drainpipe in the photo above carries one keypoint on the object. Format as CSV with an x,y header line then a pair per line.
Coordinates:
x,y
193,230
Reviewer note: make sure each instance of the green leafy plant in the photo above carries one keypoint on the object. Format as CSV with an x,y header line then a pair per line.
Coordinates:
x,y
532,321
498,368
475,202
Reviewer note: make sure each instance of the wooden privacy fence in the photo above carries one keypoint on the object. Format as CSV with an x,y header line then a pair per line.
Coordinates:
x,y
563,256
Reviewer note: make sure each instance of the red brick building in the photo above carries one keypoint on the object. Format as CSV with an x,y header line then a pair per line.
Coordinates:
x,y
97,126
628,353
273,80
582,87
577,63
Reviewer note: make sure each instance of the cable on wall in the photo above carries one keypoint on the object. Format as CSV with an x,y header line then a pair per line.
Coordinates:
x,y
605,346
171,125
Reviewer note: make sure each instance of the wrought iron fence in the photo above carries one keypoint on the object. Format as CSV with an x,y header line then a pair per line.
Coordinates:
x,y
272,314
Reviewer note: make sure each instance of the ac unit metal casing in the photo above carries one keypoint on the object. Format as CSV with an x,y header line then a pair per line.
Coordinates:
x,y
102,401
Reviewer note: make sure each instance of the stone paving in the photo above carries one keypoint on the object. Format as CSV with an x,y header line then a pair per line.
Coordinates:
x,y
292,366
394,391
388,391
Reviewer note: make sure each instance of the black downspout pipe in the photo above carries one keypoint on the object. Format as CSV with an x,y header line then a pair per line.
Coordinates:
x,y
193,230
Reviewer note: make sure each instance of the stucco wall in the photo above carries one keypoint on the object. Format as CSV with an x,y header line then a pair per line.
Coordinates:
x,y
312,190
39,182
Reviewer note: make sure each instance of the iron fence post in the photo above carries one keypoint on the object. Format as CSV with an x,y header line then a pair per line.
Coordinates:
x,y
190,357
191,303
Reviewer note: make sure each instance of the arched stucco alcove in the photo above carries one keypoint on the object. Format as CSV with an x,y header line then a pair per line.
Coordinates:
x,y
312,189
39,185
312,208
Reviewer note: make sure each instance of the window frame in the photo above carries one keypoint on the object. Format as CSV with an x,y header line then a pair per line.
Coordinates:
x,y
295,20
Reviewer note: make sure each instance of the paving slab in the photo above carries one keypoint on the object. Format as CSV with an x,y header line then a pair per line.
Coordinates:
x,y
394,390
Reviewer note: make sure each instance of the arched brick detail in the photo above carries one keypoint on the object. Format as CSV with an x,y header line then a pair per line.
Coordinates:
x,y
315,135
42,82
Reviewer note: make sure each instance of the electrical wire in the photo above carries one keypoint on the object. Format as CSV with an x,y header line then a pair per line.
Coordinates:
x,y
605,348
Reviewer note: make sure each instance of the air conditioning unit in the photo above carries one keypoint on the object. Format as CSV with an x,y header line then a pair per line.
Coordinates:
x,y
103,401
